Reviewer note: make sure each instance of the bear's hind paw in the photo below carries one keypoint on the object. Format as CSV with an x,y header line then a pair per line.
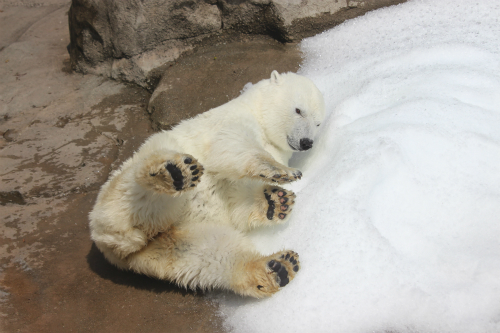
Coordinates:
x,y
176,175
285,267
271,273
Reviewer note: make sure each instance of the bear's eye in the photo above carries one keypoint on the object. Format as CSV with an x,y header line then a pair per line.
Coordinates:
x,y
318,125
298,111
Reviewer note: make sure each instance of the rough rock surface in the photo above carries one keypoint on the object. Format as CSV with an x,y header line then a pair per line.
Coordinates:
x,y
228,65
134,40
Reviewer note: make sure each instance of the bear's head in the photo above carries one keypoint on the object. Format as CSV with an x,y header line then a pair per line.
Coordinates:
x,y
292,111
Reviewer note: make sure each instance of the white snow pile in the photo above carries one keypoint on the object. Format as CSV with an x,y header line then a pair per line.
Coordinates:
x,y
397,220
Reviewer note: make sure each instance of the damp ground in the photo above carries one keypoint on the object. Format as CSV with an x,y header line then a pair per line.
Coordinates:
x,y
61,134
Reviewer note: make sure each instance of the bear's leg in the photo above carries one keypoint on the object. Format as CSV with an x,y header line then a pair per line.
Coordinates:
x,y
266,168
248,162
214,256
169,172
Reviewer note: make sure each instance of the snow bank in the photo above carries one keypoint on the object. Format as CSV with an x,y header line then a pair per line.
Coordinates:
x,y
397,220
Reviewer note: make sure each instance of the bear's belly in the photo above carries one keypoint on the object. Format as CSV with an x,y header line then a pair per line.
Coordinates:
x,y
208,203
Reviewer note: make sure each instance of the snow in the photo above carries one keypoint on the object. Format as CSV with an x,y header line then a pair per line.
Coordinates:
x,y
397,220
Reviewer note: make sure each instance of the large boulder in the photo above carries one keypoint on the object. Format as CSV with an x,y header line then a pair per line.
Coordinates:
x,y
128,39
135,40
213,75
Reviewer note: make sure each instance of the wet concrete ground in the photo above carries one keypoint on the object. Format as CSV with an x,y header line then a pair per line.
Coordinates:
x,y
61,133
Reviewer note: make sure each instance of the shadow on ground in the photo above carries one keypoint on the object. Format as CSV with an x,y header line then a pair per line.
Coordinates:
x,y
105,270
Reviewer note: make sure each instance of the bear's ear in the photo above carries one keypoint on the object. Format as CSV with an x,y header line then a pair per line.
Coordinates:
x,y
276,78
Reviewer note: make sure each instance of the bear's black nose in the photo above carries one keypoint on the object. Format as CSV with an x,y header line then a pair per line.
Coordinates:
x,y
306,144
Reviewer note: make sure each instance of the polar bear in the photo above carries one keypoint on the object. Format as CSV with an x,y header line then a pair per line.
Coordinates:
x,y
179,208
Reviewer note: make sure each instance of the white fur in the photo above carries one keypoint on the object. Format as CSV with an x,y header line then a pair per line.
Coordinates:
x,y
234,142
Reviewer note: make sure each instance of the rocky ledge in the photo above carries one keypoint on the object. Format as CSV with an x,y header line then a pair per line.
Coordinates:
x,y
135,40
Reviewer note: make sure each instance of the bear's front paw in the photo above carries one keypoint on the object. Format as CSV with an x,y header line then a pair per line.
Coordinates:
x,y
176,175
280,175
279,203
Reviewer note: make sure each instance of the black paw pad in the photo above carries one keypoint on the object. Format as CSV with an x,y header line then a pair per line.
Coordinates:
x,y
188,160
293,261
272,206
280,203
274,265
176,175
281,272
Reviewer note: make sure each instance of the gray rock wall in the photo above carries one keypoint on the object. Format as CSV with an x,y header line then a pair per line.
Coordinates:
x,y
133,40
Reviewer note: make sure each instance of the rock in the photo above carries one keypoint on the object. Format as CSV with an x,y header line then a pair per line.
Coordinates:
x,y
134,40
276,18
147,68
113,37
215,75
13,197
